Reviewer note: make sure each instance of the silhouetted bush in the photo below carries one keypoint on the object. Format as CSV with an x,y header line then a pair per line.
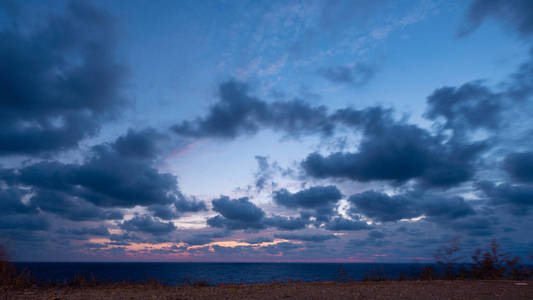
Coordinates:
x,y
342,275
487,265
374,275
428,273
447,258
10,277
491,264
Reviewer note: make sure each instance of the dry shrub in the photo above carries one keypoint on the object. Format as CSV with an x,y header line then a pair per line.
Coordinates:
x,y
374,275
342,275
428,273
447,258
491,264
10,277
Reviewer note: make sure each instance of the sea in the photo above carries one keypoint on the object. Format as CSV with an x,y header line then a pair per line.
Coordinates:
x,y
214,273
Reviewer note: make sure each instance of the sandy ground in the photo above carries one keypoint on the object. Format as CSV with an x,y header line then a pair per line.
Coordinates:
x,y
398,290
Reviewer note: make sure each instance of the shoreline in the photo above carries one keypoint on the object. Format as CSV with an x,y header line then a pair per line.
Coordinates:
x,y
398,290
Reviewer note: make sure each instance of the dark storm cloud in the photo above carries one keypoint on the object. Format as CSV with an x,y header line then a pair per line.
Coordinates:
x,y
470,106
385,208
179,207
369,242
237,209
306,237
147,224
189,205
140,144
242,214
376,235
236,214
358,75
72,208
515,14
321,199
58,82
84,232
24,222
205,238
10,202
165,212
396,151
342,224
287,223
113,176
474,226
519,197
390,149
519,166
239,113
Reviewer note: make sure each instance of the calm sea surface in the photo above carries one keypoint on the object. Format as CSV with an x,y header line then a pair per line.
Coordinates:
x,y
179,273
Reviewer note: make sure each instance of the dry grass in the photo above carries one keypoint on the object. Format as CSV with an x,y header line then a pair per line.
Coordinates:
x,y
398,290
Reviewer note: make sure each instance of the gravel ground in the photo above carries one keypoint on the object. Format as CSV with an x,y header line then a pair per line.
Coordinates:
x,y
397,290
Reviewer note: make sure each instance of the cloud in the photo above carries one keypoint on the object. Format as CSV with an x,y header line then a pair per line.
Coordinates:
x,y
516,15
306,237
58,82
396,151
147,224
83,232
470,106
376,235
357,75
519,197
342,224
10,202
385,208
287,223
321,199
72,208
23,222
205,238
263,176
180,206
259,240
236,214
242,214
140,144
520,166
111,176
474,226
238,113
237,209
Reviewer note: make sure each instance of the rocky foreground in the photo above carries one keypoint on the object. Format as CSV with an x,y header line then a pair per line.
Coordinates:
x,y
508,290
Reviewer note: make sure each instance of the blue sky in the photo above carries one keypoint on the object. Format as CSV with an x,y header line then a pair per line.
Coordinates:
x,y
182,131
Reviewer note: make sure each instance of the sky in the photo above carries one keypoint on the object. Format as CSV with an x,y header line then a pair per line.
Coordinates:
x,y
275,131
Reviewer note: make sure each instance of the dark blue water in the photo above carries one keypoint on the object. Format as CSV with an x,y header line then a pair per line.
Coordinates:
x,y
180,273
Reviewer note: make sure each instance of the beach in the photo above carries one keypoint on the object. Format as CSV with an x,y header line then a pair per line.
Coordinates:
x,y
398,290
